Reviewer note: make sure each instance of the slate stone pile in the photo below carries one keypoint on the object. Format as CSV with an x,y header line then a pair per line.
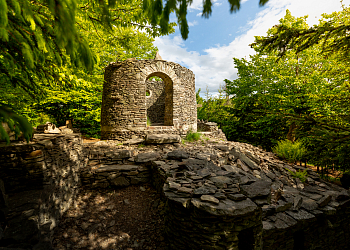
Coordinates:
x,y
228,195
219,194
38,182
215,197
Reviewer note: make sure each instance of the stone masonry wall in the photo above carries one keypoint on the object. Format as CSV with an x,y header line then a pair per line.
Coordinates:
x,y
229,195
38,183
155,103
219,194
124,110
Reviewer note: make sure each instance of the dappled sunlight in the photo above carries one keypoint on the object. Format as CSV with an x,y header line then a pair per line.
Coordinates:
x,y
126,218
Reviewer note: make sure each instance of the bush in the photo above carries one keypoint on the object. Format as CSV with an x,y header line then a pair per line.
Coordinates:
x,y
192,136
291,151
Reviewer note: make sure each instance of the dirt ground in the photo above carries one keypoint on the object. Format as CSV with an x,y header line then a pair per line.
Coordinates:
x,y
127,218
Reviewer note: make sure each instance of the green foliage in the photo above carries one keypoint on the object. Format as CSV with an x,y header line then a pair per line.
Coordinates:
x,y
291,151
155,78
301,175
149,123
192,136
331,33
51,46
16,124
159,12
141,145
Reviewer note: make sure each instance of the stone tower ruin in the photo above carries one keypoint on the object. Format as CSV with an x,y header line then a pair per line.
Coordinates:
x,y
130,99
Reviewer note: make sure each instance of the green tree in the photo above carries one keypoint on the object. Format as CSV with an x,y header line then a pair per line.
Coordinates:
x,y
46,45
159,12
306,90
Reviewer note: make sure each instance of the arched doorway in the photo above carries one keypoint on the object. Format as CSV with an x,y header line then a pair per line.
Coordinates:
x,y
159,100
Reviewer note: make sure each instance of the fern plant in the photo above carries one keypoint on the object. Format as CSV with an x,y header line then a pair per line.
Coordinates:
x,y
290,151
301,175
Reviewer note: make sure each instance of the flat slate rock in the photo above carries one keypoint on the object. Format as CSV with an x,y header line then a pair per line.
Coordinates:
x,y
257,189
162,138
178,155
301,215
209,198
116,168
146,157
221,181
226,207
133,141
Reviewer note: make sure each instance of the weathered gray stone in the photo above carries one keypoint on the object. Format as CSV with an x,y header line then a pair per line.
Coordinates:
x,y
221,181
162,138
120,182
257,189
309,204
268,226
231,168
119,154
285,218
146,157
324,200
204,172
297,201
204,190
133,141
242,165
226,207
209,198
116,168
185,190
283,206
178,155
236,197
301,215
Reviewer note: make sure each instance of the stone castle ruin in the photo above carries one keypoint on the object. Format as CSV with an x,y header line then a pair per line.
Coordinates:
x,y
130,99
217,194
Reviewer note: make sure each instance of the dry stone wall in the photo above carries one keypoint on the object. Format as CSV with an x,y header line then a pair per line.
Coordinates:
x,y
219,194
230,195
38,182
124,104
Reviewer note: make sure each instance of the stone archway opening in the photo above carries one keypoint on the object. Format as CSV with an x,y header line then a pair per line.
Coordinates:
x,y
159,99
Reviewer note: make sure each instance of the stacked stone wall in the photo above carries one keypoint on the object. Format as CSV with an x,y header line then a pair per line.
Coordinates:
x,y
224,195
38,183
124,105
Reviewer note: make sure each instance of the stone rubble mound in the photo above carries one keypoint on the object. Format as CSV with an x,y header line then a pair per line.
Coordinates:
x,y
218,193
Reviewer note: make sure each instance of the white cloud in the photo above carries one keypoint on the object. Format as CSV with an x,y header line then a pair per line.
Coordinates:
x,y
192,23
217,64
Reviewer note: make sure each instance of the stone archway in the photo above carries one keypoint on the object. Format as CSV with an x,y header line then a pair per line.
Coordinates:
x,y
159,100
125,104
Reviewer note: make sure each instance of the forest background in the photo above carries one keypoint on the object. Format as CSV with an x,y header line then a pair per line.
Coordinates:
x,y
295,87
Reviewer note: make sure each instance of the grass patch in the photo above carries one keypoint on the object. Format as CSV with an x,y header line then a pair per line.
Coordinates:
x,y
192,136
141,145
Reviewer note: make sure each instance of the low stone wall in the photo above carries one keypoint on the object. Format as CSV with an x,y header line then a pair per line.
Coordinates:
x,y
231,195
38,183
219,195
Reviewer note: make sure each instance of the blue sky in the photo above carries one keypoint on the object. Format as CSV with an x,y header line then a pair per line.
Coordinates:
x,y
213,42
